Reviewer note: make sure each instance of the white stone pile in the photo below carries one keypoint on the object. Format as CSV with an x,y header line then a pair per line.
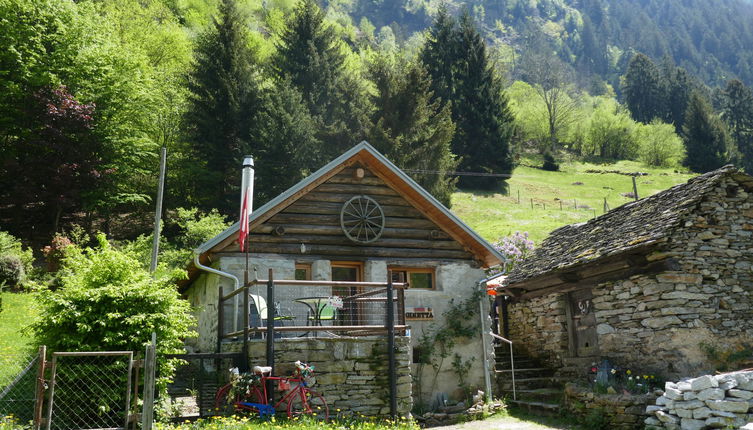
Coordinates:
x,y
706,402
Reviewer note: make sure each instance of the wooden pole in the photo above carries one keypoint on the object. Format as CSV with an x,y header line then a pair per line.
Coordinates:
x,y
150,357
531,203
270,334
39,394
635,189
392,370
158,209
518,196
220,321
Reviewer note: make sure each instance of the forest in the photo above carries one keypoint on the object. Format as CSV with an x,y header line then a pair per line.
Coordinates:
x,y
93,89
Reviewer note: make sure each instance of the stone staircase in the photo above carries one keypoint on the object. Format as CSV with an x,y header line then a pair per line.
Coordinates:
x,y
539,388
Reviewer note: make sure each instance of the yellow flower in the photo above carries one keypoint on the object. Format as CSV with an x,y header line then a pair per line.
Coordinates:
x,y
629,372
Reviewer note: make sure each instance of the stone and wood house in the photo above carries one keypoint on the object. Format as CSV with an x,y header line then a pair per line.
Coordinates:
x,y
653,285
307,233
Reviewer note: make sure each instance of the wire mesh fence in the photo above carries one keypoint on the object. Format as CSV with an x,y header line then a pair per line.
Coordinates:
x,y
192,391
90,390
18,376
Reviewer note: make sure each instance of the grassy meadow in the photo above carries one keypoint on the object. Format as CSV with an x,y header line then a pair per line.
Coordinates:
x,y
15,345
548,199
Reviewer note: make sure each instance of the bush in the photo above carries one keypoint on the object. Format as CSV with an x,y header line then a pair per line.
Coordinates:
x,y
550,164
107,301
9,245
659,145
11,271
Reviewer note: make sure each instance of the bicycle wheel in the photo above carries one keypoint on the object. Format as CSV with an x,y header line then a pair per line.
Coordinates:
x,y
224,405
314,404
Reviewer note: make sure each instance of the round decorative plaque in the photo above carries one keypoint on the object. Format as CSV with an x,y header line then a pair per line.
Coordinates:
x,y
362,219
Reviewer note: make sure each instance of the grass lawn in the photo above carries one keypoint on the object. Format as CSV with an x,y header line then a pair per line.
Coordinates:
x,y
494,215
15,346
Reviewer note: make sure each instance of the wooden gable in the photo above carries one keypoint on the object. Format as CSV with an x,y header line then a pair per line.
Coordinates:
x,y
312,218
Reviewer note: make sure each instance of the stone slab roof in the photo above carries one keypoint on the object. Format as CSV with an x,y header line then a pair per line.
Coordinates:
x,y
634,225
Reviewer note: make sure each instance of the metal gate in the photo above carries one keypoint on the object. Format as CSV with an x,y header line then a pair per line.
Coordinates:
x,y
90,390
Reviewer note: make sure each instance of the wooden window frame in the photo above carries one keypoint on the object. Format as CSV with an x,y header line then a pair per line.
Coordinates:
x,y
306,267
409,270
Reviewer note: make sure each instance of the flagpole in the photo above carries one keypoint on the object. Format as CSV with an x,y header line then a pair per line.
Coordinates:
x,y
247,196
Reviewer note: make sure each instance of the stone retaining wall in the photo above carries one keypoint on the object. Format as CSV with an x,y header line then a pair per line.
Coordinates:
x,y
620,411
539,326
350,372
720,401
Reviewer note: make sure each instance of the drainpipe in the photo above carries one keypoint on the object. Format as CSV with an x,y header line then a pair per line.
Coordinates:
x,y
483,331
236,282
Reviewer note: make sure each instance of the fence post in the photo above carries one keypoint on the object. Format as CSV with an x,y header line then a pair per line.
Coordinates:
x,y
39,393
147,414
220,321
270,334
635,188
246,308
391,348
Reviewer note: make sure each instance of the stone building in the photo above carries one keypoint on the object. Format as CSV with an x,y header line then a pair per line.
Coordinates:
x,y
306,233
652,285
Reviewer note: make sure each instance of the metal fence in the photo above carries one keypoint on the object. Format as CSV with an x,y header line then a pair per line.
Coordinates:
x,y
18,377
90,390
191,393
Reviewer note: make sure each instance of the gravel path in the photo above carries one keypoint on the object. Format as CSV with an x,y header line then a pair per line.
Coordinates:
x,y
503,423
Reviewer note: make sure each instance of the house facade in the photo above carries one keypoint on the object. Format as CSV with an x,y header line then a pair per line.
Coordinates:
x,y
663,285
358,219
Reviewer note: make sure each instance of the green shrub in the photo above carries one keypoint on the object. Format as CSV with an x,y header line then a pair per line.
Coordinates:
x,y
9,245
550,164
659,145
11,271
107,301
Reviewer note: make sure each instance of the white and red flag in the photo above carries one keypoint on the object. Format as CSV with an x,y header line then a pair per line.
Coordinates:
x,y
247,199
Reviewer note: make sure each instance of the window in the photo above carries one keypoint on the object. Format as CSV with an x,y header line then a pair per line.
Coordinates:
x,y
422,279
302,272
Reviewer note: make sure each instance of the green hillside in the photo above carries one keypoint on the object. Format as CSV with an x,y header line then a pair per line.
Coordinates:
x,y
495,215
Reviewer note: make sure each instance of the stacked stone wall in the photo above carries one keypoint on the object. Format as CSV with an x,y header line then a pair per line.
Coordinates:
x,y
615,411
351,373
539,326
719,401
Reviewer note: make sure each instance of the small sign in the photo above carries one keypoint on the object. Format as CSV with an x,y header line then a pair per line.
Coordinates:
x,y
419,314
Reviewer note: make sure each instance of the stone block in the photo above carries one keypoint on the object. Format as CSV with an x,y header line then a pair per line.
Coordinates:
x,y
691,424
661,322
667,418
652,409
683,413
672,393
740,394
728,406
679,278
690,395
711,394
703,382
692,404
662,401
604,329
717,422
701,413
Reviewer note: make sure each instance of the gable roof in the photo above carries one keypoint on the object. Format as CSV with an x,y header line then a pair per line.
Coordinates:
x,y
625,229
390,174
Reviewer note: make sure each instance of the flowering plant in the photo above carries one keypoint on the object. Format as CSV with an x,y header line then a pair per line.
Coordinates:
x,y
515,248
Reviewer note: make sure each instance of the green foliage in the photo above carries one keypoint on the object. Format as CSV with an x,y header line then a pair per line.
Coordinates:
x,y
611,134
413,131
659,145
9,245
596,419
644,90
706,139
223,97
550,163
738,115
728,358
12,271
106,301
190,228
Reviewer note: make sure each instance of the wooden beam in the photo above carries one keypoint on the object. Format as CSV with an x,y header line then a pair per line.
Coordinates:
x,y
652,268
341,239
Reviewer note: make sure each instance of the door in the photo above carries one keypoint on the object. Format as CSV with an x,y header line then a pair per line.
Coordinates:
x,y
351,272
583,338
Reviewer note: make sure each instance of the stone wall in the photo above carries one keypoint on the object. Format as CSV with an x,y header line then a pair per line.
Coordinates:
x,y
351,373
720,401
618,411
658,323
539,326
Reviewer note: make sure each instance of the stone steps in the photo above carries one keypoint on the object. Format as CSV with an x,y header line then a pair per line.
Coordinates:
x,y
537,408
538,390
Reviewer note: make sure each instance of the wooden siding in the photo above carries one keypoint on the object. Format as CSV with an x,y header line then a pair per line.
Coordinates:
x,y
314,220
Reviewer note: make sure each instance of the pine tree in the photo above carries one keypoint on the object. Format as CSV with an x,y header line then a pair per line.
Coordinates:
x,y
738,114
679,88
644,90
480,111
410,128
309,56
223,97
440,53
706,138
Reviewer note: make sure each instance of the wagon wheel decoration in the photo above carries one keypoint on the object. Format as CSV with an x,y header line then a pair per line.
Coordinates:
x,y
362,219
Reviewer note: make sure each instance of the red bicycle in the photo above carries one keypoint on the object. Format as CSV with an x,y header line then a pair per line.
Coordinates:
x,y
248,393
